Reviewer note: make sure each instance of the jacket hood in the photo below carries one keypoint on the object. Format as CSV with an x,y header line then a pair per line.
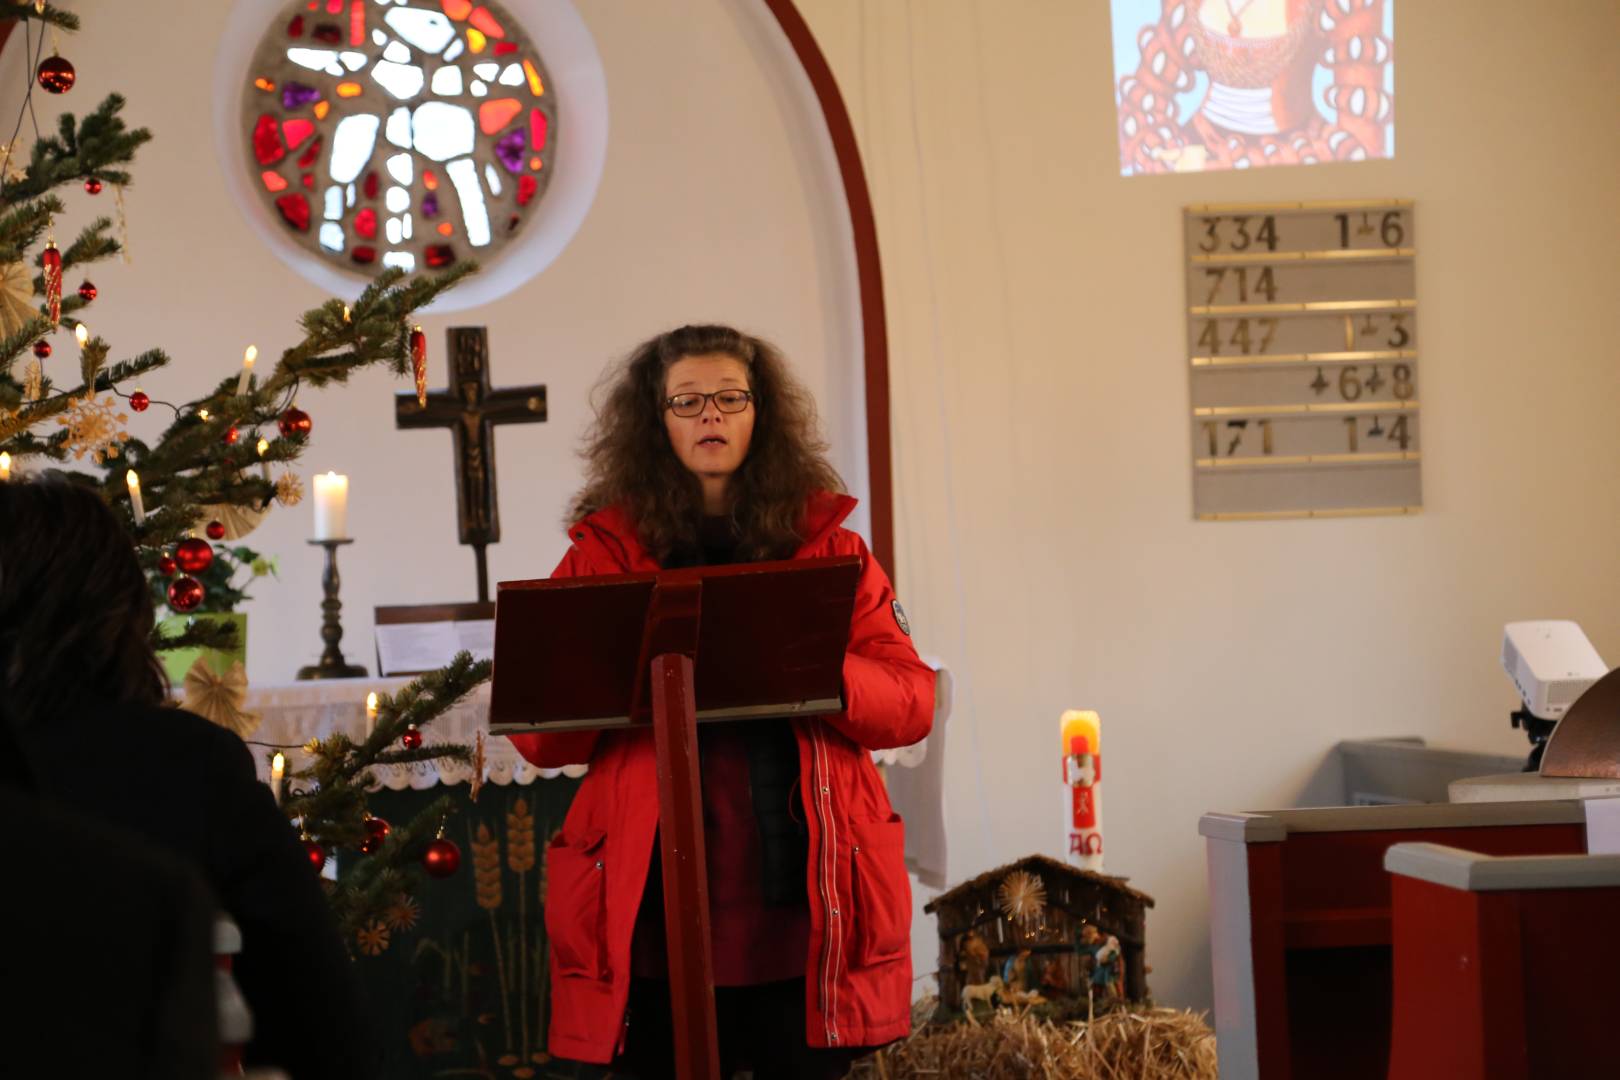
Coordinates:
x,y
613,528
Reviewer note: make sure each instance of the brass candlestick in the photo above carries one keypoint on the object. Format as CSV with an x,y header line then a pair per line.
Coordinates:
x,y
332,665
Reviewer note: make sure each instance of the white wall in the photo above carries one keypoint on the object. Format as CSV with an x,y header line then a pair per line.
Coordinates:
x,y
713,206
1046,547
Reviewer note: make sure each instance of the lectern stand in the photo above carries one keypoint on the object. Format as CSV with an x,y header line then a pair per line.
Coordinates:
x,y
750,641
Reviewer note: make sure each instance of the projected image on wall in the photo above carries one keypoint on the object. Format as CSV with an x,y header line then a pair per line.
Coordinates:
x,y
1240,84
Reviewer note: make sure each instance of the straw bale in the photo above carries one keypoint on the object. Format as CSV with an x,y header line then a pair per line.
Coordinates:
x,y
1138,1044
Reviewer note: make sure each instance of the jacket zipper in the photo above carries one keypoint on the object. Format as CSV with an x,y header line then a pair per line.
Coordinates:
x,y
832,943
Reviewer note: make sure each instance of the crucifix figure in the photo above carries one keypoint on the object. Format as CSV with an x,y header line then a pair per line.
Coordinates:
x,y
470,409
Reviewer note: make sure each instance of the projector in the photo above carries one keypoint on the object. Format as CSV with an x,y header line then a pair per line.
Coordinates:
x,y
1551,663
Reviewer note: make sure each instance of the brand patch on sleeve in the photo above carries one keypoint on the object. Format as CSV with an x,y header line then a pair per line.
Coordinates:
x,y
900,618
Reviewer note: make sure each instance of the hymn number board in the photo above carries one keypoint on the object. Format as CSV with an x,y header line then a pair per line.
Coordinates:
x,y
1302,345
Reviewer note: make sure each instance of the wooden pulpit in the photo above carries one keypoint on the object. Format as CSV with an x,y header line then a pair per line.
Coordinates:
x,y
671,649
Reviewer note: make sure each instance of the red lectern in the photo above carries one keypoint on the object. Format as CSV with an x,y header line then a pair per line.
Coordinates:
x,y
754,640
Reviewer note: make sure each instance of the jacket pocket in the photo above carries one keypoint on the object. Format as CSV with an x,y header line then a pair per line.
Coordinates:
x,y
882,892
576,904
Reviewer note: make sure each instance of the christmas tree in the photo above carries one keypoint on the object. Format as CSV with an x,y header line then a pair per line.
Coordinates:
x,y
223,456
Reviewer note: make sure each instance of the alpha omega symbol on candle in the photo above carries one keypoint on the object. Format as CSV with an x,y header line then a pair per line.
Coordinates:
x,y
1082,777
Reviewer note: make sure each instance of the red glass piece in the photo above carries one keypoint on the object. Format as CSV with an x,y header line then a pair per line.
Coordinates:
x,y
457,9
295,210
537,129
512,222
365,223
267,140
273,181
494,115
357,23
505,48
295,423
438,256
328,34
295,29
484,21
430,180
297,132
527,186
370,185
334,7
308,180
308,157
363,254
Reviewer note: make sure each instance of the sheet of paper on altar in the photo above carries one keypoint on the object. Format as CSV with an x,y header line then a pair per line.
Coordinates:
x,y
411,648
1603,826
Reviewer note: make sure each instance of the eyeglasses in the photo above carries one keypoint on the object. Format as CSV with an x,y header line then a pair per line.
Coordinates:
x,y
727,401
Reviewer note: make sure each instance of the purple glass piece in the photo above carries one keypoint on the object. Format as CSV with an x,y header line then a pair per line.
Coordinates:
x,y
430,206
295,95
512,150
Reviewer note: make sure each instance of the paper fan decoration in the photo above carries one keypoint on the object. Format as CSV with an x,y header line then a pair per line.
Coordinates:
x,y
238,520
17,303
1022,897
219,697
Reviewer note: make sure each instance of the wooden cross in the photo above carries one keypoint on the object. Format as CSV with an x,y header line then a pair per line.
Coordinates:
x,y
470,409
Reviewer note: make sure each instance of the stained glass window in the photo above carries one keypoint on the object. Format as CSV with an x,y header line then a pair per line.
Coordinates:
x,y
407,133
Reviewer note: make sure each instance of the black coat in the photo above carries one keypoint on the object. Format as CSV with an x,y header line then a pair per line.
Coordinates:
x,y
189,786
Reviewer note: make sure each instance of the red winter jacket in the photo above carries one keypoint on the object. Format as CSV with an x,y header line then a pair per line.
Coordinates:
x,y
858,971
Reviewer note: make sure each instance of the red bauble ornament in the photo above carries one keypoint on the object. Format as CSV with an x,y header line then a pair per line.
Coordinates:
x,y
231,435
50,260
412,738
376,832
93,186
294,423
139,401
193,555
442,857
87,291
167,566
185,593
419,364
42,348
56,74
215,530
315,854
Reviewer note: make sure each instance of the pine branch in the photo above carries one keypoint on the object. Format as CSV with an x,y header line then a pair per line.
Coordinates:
x,y
198,634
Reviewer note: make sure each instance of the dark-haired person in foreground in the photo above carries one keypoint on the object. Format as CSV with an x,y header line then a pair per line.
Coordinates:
x,y
705,452
84,697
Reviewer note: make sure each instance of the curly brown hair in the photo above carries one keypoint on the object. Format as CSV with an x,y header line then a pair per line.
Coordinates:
x,y
631,464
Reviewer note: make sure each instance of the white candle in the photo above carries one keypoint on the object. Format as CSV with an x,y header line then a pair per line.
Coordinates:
x,y
248,357
371,713
5,466
82,333
278,767
135,503
264,466
1082,783
331,506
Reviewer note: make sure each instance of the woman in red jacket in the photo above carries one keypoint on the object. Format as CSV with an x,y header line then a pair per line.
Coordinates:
x,y
705,451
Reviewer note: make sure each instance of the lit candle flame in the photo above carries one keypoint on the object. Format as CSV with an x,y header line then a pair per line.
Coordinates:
x,y
278,768
202,414
139,510
5,466
248,357
82,333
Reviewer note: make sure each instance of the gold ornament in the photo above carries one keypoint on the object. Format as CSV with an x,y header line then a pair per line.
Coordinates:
x,y
219,697
289,489
238,520
33,382
373,938
1022,897
93,427
17,303
403,914
477,783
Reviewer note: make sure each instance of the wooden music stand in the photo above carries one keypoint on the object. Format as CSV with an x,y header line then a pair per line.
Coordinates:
x,y
669,649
